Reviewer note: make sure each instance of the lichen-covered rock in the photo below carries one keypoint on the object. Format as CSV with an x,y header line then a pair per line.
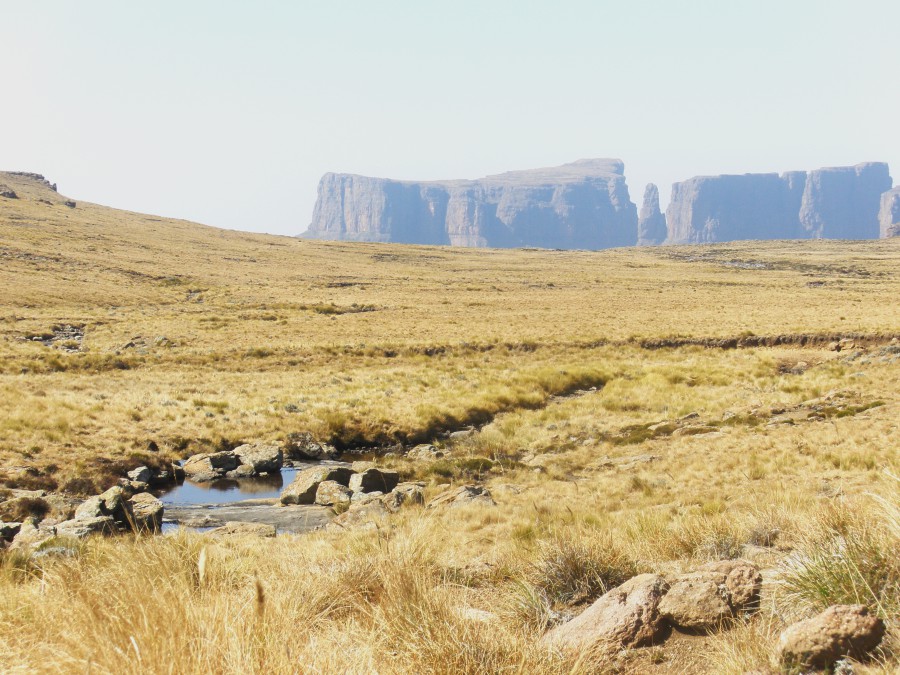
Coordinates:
x,y
302,489
424,452
209,466
742,580
839,631
332,493
147,512
80,528
304,446
141,474
261,457
697,601
584,204
373,479
405,493
626,616
465,494
363,515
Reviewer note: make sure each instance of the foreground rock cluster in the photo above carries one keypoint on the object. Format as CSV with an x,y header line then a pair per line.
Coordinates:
x,y
644,610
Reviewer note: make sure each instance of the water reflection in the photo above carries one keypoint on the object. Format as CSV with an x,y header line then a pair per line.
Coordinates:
x,y
227,490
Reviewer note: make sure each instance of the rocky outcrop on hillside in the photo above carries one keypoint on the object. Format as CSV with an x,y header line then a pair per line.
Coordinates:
x,y
833,203
651,221
889,215
584,204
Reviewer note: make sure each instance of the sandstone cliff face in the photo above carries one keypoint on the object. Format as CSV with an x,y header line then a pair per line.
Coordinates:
x,y
584,204
889,216
839,202
651,222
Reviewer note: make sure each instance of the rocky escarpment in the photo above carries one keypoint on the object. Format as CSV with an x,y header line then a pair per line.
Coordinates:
x,y
834,203
584,204
889,215
651,221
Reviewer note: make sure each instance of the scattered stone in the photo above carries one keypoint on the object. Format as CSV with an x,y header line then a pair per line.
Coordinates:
x,y
209,466
424,452
373,479
465,494
404,493
7,192
147,512
302,489
31,534
332,493
141,474
368,515
742,580
841,630
626,616
262,457
80,528
461,435
303,446
244,529
697,601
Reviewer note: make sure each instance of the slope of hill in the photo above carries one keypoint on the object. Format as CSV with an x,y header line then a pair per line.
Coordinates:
x,y
632,410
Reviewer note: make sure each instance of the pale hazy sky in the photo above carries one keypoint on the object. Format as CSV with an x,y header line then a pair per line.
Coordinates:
x,y
228,112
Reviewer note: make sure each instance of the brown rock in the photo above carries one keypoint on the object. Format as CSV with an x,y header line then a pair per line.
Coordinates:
x,y
697,601
465,494
302,489
743,581
626,616
839,631
147,512
332,493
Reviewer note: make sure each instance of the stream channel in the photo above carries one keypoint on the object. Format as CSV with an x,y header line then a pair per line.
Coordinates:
x,y
204,506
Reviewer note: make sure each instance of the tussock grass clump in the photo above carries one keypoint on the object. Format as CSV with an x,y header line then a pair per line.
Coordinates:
x,y
851,555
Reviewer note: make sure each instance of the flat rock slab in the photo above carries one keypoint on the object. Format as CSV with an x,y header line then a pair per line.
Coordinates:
x,y
285,519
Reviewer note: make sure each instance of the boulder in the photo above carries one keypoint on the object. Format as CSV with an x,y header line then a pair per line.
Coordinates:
x,y
209,466
365,497
302,489
232,528
742,580
698,601
465,494
332,493
424,452
366,515
839,631
262,457
303,446
627,616
141,474
31,534
404,493
80,528
147,512
111,503
373,479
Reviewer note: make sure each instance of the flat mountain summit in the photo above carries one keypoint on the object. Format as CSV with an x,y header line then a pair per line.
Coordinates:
x,y
586,204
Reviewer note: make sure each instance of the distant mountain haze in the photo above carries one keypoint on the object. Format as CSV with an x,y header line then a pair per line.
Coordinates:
x,y
586,204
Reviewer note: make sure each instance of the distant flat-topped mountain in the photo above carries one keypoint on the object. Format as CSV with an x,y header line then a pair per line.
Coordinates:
x,y
832,203
584,204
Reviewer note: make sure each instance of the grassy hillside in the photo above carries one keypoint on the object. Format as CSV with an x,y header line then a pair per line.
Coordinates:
x,y
119,329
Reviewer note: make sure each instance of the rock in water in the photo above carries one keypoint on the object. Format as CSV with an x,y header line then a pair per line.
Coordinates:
x,y
626,616
147,512
303,488
840,202
839,631
889,215
651,222
584,204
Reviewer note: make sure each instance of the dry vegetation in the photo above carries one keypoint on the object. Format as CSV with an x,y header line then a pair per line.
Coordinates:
x,y
195,337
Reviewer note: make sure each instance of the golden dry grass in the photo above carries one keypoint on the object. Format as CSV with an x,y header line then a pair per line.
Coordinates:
x,y
267,335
